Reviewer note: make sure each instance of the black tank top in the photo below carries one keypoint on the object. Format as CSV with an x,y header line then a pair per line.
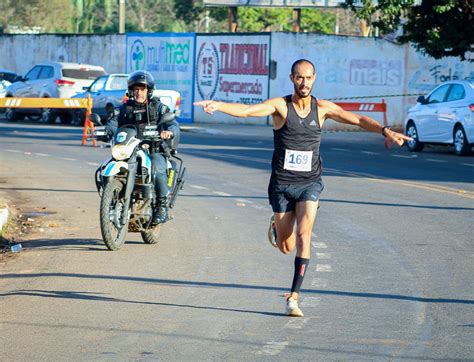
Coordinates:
x,y
296,157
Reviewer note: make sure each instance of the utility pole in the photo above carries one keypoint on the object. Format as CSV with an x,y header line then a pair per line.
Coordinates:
x,y
122,16
296,26
232,18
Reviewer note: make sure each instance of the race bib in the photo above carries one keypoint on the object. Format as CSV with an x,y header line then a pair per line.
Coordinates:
x,y
298,160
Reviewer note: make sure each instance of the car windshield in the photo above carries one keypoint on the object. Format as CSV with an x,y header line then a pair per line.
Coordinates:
x,y
82,73
118,83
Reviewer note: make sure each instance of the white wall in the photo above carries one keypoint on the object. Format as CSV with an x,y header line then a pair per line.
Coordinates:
x,y
21,52
347,67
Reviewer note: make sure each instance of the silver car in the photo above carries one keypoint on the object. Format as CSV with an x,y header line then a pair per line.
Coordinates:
x,y
51,80
444,116
110,91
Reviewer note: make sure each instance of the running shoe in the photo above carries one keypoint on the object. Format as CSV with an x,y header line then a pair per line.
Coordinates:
x,y
292,308
272,233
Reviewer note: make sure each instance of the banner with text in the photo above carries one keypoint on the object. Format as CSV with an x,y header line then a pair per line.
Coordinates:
x,y
231,68
169,57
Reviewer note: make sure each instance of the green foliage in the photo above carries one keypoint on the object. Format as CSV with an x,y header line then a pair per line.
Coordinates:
x,y
281,19
441,28
438,28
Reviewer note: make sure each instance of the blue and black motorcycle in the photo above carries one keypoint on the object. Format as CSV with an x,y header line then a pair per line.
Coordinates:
x,y
126,186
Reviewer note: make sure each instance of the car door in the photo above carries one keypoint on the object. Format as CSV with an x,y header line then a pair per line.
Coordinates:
x,y
428,124
25,88
449,113
95,91
44,86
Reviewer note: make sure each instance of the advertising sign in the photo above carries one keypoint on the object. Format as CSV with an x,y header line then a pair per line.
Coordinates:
x,y
169,57
232,68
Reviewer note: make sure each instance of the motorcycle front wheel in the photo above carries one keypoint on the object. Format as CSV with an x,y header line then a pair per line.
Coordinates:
x,y
111,207
152,236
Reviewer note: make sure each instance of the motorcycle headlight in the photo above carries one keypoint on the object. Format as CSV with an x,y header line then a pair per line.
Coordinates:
x,y
120,152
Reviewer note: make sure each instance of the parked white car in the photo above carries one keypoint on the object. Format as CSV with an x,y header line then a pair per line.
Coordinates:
x,y
444,116
51,80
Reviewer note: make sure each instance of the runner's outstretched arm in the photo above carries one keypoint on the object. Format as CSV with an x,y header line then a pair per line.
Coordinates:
x,y
238,109
336,113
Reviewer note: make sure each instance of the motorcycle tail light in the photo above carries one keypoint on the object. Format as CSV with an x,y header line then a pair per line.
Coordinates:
x,y
471,107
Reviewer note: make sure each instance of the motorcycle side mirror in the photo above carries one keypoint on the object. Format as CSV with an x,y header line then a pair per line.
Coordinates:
x,y
95,119
167,117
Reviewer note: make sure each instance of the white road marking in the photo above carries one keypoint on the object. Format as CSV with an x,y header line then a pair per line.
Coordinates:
x,y
319,283
467,164
319,245
93,163
198,187
403,156
67,159
221,193
340,149
323,256
245,201
41,154
324,268
310,302
370,153
296,323
273,348
434,160
15,151
260,207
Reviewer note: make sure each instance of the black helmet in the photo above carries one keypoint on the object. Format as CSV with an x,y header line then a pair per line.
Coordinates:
x,y
141,77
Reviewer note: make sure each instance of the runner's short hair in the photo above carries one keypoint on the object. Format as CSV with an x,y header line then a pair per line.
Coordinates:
x,y
301,61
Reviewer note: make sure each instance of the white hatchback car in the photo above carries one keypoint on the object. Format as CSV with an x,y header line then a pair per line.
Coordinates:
x,y
51,80
444,116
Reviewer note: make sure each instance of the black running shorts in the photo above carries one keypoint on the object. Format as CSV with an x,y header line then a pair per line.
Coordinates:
x,y
283,198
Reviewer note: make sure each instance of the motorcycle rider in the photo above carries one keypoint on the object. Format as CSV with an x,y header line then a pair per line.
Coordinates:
x,y
141,109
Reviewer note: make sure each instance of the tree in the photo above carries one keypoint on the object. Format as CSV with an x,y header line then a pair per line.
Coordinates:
x,y
195,15
439,28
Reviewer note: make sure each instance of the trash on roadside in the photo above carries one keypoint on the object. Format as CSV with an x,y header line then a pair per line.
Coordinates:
x,y
16,248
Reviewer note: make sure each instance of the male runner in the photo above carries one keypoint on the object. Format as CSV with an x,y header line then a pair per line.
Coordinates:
x,y
295,183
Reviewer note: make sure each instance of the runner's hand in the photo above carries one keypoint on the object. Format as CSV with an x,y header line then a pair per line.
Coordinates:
x,y
207,106
392,137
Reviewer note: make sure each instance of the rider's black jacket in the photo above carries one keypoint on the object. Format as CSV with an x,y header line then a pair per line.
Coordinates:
x,y
139,115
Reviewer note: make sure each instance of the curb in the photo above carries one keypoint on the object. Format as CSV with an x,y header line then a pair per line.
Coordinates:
x,y
3,217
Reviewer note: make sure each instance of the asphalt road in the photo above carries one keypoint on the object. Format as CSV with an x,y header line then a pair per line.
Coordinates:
x,y
390,276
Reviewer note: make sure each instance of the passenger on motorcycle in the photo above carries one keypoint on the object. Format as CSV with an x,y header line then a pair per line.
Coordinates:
x,y
142,109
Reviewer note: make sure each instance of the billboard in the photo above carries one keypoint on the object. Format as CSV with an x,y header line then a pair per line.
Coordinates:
x,y
232,68
169,57
280,3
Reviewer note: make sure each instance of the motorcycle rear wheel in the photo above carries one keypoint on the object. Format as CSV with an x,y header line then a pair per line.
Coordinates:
x,y
111,207
152,236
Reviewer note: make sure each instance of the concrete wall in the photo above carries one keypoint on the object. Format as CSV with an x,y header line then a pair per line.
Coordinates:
x,y
347,67
21,52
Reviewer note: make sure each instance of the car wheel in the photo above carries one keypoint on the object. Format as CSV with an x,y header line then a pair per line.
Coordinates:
x,y
11,115
78,118
461,146
414,145
47,115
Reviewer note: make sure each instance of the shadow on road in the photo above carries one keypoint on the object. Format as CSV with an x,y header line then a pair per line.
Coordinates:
x,y
189,283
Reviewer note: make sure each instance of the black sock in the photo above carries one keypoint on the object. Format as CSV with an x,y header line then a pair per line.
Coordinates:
x,y
301,264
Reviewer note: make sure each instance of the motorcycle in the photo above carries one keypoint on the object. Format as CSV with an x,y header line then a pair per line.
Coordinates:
x,y
125,182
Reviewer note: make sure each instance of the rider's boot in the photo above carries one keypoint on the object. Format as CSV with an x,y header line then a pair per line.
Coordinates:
x,y
160,214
